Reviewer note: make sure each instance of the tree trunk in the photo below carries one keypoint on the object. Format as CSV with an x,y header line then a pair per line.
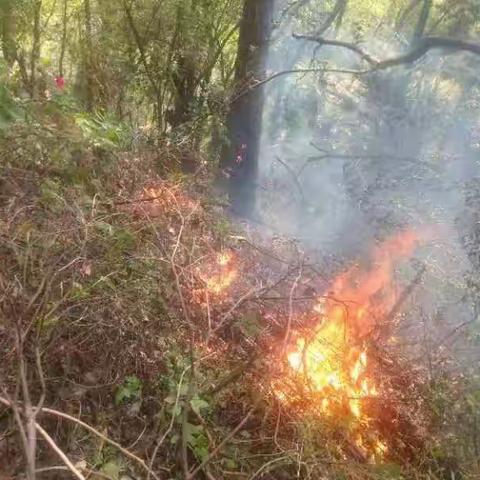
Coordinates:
x,y
185,74
8,32
64,37
244,121
184,81
89,89
35,53
422,21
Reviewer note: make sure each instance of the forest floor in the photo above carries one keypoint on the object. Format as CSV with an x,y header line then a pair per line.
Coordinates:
x,y
144,334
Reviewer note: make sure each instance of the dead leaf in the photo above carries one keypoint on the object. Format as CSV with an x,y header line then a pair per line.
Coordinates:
x,y
86,269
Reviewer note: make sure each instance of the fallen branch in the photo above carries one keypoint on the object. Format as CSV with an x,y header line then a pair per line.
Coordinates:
x,y
290,310
234,307
61,468
185,414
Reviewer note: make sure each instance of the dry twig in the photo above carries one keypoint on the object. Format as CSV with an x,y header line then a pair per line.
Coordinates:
x,y
59,452
217,449
65,416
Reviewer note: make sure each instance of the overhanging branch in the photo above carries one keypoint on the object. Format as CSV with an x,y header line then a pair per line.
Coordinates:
x,y
338,43
423,46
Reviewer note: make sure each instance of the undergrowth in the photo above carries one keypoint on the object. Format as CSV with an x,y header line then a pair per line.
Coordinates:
x,y
107,315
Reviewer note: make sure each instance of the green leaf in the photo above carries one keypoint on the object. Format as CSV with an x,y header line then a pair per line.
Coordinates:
x,y
104,228
112,469
250,324
192,432
198,405
197,441
79,292
389,471
230,464
50,195
129,391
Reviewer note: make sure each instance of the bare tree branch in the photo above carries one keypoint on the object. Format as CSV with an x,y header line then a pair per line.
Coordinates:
x,y
426,44
59,452
293,176
338,43
49,411
423,46
258,83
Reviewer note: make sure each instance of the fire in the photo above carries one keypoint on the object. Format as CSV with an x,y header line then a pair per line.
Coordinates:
x,y
224,258
333,360
162,199
331,365
220,274
218,283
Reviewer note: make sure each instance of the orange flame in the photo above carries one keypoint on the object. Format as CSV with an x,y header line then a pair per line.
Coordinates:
x,y
220,274
333,361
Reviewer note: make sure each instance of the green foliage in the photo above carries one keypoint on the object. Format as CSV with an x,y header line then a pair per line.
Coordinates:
x,y
112,469
250,324
120,239
106,459
9,111
222,228
198,441
9,108
129,391
79,291
177,75
102,130
198,405
50,195
388,471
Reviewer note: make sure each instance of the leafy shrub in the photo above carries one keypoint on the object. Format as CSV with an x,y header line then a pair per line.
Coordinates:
x,y
9,107
129,391
102,130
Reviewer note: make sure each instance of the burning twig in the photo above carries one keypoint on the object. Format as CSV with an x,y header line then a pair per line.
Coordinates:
x,y
333,361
